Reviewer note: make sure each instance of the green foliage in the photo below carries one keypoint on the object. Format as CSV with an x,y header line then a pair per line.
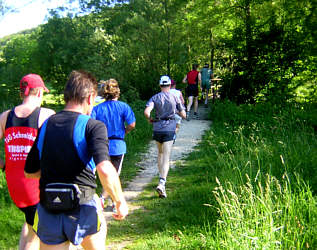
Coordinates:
x,y
263,50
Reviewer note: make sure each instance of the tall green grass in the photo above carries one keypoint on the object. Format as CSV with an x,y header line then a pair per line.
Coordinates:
x,y
250,184
269,215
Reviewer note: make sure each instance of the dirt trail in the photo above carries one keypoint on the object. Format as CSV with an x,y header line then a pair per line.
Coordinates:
x,y
188,137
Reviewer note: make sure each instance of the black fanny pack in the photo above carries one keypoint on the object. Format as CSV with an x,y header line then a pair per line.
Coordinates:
x,y
115,138
63,197
164,119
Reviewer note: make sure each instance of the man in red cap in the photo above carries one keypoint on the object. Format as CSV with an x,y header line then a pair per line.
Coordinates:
x,y
19,127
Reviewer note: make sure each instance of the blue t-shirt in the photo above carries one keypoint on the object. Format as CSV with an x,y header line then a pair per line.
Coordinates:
x,y
166,105
114,114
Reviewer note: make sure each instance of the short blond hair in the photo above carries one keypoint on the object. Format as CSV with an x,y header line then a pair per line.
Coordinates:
x,y
32,91
110,89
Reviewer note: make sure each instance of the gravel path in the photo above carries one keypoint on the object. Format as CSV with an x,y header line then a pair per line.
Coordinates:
x,y
188,137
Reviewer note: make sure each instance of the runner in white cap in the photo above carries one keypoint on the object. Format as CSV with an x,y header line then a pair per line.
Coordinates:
x,y
166,105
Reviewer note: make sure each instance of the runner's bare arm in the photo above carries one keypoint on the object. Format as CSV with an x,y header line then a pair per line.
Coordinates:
x,y
129,127
110,181
3,121
147,113
185,79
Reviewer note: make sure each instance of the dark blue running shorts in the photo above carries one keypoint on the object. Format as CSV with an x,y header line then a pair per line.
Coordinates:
x,y
161,136
74,226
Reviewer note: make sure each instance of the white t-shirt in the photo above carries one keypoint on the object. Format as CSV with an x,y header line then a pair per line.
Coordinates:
x,y
176,93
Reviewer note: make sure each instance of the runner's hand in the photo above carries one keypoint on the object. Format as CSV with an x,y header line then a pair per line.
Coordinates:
x,y
122,210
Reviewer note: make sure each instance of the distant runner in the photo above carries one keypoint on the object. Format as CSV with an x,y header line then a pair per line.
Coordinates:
x,y
192,79
206,75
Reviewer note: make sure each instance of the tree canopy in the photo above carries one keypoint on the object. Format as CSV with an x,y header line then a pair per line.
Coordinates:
x,y
264,50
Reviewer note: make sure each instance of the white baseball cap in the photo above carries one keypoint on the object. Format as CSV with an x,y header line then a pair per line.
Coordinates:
x,y
165,80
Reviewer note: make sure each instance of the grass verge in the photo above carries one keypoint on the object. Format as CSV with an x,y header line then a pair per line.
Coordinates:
x,y
250,184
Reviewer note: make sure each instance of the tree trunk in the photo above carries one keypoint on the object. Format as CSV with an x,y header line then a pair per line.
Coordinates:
x,y
168,60
212,52
248,33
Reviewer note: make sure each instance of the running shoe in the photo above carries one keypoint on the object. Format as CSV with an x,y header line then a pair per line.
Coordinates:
x,y
196,117
161,190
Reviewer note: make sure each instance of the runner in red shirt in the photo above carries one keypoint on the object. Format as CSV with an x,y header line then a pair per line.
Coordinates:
x,y
192,78
19,127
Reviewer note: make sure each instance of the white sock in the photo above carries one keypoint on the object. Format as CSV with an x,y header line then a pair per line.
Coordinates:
x,y
162,181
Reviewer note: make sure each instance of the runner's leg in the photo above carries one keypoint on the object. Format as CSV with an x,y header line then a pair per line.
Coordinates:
x,y
196,104
167,147
28,238
190,102
96,241
206,98
159,157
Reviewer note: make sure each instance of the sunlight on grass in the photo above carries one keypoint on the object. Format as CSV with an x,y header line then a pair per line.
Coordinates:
x,y
265,216
250,184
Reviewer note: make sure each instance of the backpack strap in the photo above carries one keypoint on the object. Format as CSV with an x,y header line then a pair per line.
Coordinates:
x,y
80,143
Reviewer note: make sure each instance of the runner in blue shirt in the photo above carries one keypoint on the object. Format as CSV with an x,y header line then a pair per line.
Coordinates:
x,y
118,118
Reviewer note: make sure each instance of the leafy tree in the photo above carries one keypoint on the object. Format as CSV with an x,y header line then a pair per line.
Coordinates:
x,y
263,49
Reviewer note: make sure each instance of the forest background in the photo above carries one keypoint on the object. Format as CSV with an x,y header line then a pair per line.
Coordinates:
x,y
264,50
264,124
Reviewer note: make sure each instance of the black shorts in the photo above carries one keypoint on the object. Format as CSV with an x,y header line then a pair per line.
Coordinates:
x,y
163,136
192,90
116,161
29,213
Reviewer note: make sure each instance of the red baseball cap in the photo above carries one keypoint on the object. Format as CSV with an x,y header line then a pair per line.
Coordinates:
x,y
32,81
